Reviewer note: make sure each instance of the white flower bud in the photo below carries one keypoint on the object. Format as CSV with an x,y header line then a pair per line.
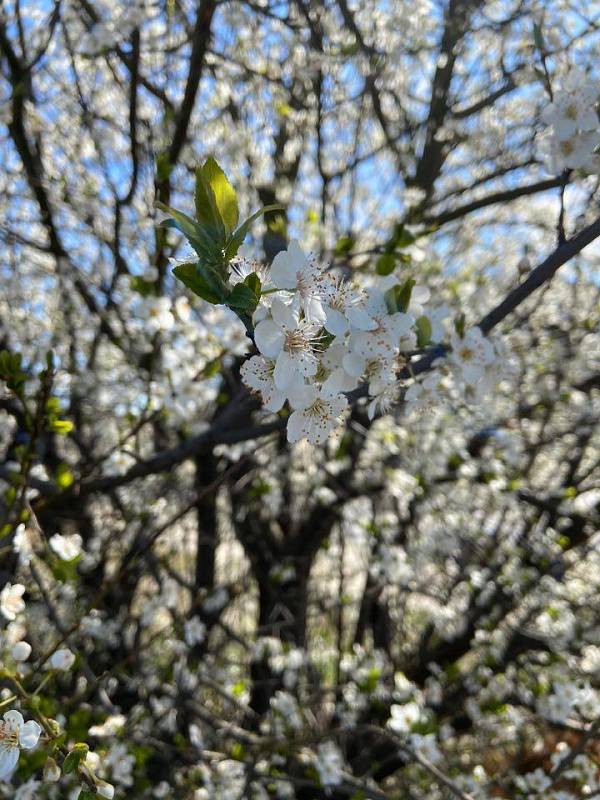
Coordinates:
x,y
66,547
21,651
62,659
51,771
92,760
105,789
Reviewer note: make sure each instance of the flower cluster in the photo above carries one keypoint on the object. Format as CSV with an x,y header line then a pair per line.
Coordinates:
x,y
319,337
575,132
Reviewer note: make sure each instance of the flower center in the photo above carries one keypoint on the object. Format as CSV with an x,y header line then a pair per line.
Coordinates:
x,y
571,111
338,302
9,736
318,409
372,368
295,341
301,284
567,147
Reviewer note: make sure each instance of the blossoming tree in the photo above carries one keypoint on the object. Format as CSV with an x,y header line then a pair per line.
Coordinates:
x,y
299,400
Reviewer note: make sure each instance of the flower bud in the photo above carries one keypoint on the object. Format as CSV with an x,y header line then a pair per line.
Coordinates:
x,y
21,651
51,771
105,789
92,760
62,659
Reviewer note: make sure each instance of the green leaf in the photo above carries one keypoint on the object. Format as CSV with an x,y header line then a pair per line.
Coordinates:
x,y
343,245
177,219
283,109
223,192
401,238
212,368
5,530
64,477
459,325
252,281
404,295
350,49
201,239
207,212
191,276
75,757
244,298
538,37
142,287
65,571
241,298
398,297
385,264
60,426
10,495
238,751
423,331
163,166
236,239
11,370
87,794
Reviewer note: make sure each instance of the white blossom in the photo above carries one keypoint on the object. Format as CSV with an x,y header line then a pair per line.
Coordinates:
x,y
403,717
316,413
11,600
15,734
290,341
194,631
66,548
292,270
329,764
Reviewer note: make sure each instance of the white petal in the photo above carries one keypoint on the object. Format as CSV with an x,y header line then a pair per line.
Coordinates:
x,y
335,383
269,338
338,405
306,364
284,314
295,427
400,323
334,354
297,255
105,789
564,128
371,345
420,294
313,310
375,303
359,318
275,401
588,120
285,371
302,395
262,312
29,734
335,322
14,718
408,341
315,429
354,364
471,373
254,372
9,757
371,409
283,273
